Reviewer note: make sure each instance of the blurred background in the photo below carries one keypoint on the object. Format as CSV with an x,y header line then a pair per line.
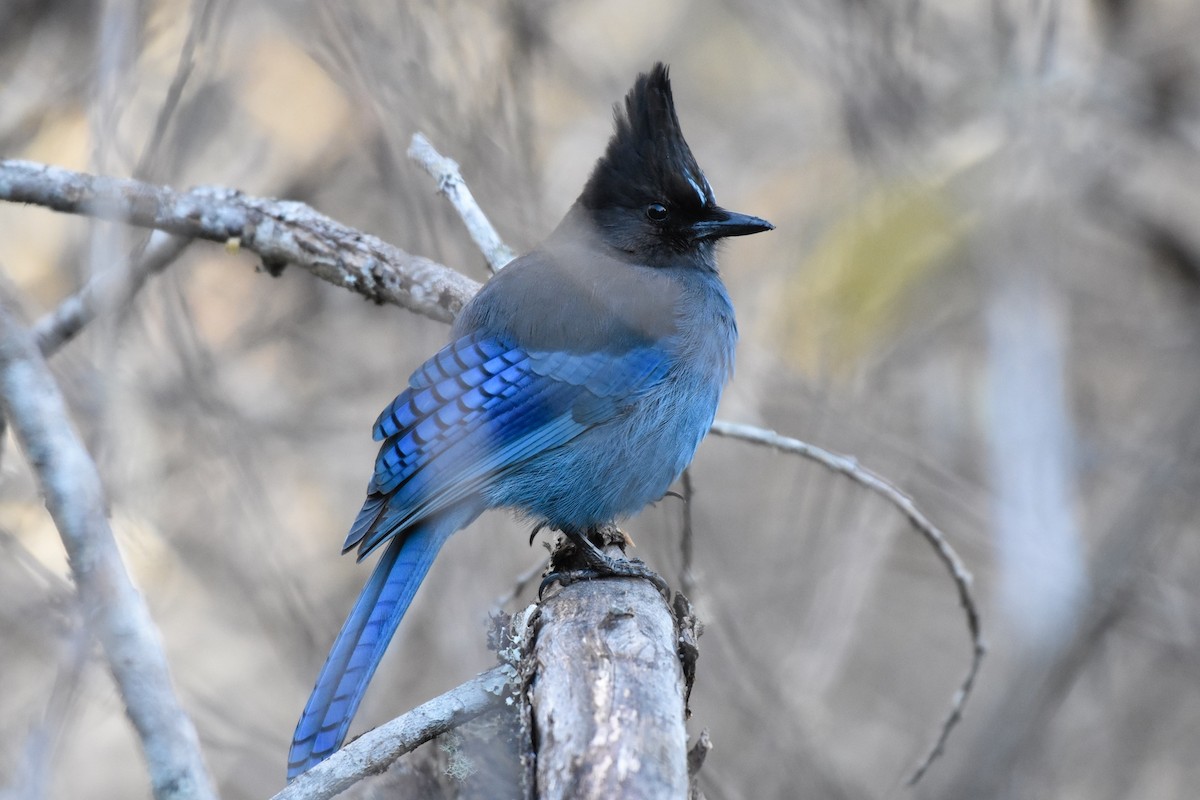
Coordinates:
x,y
984,285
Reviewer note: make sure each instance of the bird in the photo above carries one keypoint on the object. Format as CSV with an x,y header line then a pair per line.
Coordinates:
x,y
576,387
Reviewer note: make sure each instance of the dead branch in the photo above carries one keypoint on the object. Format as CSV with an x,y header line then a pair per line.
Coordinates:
x,y
451,184
280,231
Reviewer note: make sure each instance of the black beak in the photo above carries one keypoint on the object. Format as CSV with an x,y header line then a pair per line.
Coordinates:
x,y
721,223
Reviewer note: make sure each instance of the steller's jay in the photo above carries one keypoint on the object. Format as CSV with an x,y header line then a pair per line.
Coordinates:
x,y
576,387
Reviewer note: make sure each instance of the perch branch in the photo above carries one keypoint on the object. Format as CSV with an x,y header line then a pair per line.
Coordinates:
x,y
281,232
116,612
376,749
608,694
850,467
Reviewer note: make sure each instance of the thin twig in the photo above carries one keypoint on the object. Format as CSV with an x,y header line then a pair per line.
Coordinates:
x,y
281,232
108,289
451,184
115,610
687,577
372,752
42,740
196,35
850,467
520,584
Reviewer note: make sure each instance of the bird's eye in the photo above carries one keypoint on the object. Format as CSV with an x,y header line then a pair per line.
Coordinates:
x,y
656,212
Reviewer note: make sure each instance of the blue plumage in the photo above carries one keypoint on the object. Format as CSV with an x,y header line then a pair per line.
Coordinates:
x,y
576,388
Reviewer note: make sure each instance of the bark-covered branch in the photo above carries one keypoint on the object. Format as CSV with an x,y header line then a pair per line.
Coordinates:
x,y
117,614
608,694
280,231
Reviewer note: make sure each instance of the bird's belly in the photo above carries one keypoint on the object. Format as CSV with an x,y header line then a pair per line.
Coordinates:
x,y
616,469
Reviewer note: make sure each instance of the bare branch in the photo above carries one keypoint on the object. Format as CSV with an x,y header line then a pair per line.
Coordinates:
x,y
850,467
281,232
114,609
451,184
448,175
198,31
375,750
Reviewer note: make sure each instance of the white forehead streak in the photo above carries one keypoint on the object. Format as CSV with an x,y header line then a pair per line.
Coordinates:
x,y
699,191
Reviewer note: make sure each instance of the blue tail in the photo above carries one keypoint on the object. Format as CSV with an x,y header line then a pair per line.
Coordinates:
x,y
364,638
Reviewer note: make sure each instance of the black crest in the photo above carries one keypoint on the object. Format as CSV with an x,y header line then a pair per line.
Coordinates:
x,y
647,159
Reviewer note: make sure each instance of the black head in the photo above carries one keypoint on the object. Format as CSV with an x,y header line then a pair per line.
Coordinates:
x,y
647,193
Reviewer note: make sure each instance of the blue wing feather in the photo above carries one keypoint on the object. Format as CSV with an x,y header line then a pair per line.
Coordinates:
x,y
481,406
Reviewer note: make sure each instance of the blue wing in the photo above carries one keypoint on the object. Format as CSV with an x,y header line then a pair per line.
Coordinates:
x,y
479,407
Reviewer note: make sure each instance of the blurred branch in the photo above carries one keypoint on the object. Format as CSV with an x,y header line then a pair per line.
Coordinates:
x,y
114,609
451,184
34,773
849,467
281,232
371,753
108,289
202,13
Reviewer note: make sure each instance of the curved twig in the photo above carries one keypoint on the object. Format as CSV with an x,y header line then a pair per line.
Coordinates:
x,y
845,465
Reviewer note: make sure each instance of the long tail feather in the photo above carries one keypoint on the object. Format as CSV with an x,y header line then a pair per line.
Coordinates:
x,y
364,638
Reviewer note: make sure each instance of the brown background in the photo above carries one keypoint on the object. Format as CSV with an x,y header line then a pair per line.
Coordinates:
x,y
983,285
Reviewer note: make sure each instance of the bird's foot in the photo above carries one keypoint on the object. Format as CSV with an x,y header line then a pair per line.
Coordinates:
x,y
629,569
594,563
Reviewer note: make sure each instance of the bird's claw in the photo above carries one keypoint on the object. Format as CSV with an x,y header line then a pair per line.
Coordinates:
x,y
562,578
609,568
